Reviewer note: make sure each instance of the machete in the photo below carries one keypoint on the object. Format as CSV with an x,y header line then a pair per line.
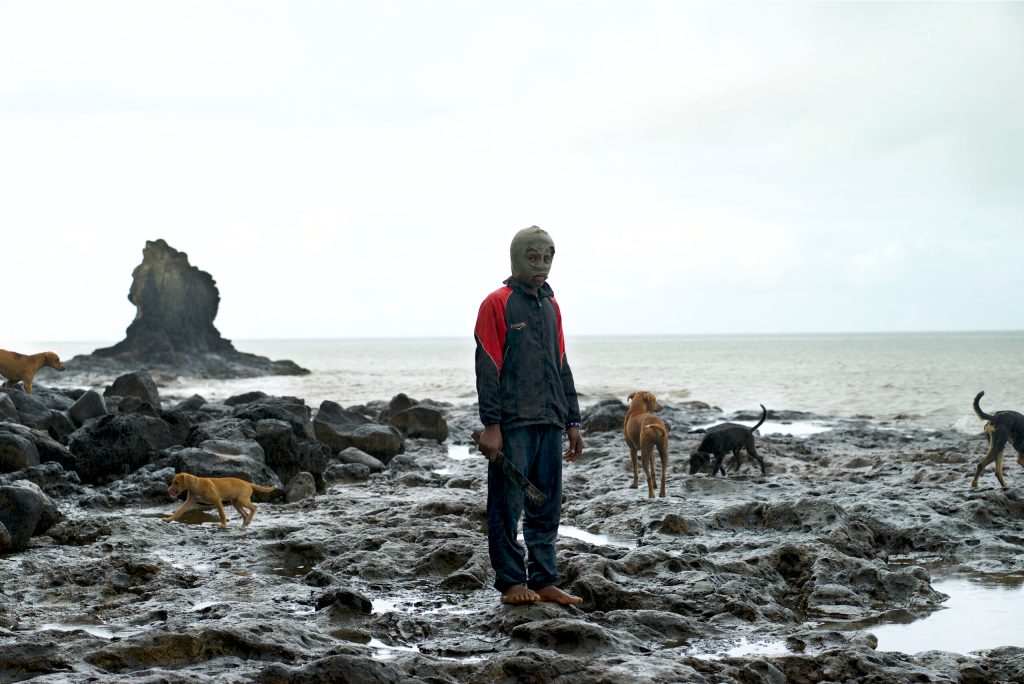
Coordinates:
x,y
513,473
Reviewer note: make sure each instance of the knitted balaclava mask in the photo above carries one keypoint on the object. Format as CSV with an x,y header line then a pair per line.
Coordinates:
x,y
532,252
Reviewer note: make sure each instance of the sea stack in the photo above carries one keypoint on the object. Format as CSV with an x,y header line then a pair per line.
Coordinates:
x,y
173,331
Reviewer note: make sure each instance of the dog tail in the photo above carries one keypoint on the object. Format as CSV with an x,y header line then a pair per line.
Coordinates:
x,y
977,408
656,431
261,488
764,414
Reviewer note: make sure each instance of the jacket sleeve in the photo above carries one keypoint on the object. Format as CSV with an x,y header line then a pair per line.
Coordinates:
x,y
490,344
568,384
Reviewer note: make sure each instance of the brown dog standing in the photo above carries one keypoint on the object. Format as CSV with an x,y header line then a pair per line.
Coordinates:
x,y
645,431
23,367
213,491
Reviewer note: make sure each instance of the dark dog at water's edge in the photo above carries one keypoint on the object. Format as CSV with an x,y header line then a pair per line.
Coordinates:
x,y
376,568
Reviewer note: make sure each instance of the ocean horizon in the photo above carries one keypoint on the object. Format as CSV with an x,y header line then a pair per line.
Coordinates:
x,y
928,379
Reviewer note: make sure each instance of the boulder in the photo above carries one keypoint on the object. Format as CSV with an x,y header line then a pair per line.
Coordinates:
x,y
231,429
421,422
116,445
25,512
383,442
246,398
48,448
605,416
31,410
235,447
287,454
204,463
8,411
353,455
59,425
136,384
300,487
331,419
89,405
340,429
346,473
193,403
16,453
50,477
289,409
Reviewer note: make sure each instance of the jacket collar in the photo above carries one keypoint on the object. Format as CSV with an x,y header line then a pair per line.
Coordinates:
x,y
517,285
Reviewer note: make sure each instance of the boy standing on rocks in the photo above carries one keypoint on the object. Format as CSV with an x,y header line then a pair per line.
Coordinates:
x,y
527,399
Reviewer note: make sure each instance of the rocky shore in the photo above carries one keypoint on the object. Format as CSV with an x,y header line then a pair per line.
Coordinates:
x,y
371,563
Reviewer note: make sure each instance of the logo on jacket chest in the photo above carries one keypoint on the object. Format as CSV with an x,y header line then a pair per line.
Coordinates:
x,y
518,326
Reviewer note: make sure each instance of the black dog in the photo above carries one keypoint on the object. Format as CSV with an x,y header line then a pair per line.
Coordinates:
x,y
1002,427
720,440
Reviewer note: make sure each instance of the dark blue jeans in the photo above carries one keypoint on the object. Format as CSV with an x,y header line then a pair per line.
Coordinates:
x,y
537,451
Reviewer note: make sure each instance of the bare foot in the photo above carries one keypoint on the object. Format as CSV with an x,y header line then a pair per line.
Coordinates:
x,y
517,594
553,593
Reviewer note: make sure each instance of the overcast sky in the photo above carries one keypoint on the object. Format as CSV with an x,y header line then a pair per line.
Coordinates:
x,y
358,169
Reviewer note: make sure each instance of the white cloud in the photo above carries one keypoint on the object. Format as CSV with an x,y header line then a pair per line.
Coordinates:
x,y
358,168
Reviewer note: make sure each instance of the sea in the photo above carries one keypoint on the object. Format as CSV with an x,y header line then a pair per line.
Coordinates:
x,y
921,379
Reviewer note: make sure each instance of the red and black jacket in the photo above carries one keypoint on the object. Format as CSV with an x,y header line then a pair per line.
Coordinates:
x,y
522,375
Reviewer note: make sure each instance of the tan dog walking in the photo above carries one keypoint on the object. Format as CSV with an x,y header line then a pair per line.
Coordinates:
x,y
644,431
213,491
22,367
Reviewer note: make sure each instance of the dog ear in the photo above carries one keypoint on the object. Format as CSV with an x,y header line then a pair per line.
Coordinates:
x,y
631,395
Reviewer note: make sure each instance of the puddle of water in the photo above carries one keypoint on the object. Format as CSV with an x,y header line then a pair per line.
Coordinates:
x,y
747,648
461,452
982,612
620,541
383,651
100,630
796,428
383,606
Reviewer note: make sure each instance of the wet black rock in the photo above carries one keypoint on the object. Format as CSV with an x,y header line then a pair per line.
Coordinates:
x,y
115,445
352,455
345,598
89,405
346,472
301,486
608,415
203,463
137,384
16,452
288,455
25,511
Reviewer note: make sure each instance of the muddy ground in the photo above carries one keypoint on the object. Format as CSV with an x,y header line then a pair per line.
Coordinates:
x,y
387,579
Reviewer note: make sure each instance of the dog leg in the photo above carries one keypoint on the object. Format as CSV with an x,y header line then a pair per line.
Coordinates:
x,y
184,508
663,451
632,457
752,450
241,511
28,385
718,464
647,454
223,515
996,444
999,470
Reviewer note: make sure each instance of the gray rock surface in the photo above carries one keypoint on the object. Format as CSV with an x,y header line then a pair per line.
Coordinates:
x,y
385,576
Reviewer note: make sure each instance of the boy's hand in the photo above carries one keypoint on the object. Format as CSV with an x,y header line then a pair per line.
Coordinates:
x,y
490,442
575,444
